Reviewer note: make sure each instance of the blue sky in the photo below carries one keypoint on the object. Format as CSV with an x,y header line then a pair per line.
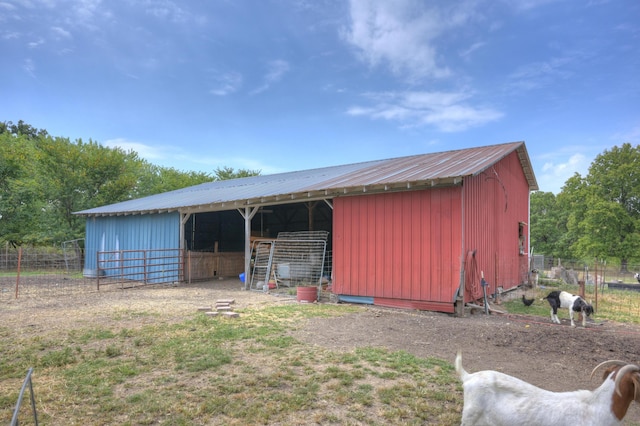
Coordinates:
x,y
282,85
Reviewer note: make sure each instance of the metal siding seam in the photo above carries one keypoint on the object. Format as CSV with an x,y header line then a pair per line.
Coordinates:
x,y
379,242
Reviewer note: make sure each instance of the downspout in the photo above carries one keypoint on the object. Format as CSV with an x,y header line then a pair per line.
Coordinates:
x,y
529,254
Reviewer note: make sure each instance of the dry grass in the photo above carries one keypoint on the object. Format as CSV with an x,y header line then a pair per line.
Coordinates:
x,y
148,357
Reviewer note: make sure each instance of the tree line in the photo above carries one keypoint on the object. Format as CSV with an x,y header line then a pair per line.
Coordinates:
x,y
45,179
595,217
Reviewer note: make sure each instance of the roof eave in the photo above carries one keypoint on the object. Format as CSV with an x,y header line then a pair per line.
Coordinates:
x,y
298,197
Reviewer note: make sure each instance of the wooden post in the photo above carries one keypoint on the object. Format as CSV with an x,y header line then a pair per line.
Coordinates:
x,y
18,274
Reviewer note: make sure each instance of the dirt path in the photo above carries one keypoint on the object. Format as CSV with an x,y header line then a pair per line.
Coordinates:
x,y
555,357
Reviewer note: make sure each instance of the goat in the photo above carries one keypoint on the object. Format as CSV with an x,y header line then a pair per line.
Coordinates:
x,y
637,276
534,277
494,398
563,299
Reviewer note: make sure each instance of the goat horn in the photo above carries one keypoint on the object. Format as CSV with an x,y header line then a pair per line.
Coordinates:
x,y
606,364
622,372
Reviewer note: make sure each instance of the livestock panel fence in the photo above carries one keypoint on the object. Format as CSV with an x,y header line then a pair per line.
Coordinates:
x,y
41,272
599,280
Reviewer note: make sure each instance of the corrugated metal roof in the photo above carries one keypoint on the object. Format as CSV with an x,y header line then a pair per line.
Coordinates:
x,y
395,174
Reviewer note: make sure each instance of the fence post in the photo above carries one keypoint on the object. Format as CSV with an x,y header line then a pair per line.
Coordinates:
x,y
98,270
18,274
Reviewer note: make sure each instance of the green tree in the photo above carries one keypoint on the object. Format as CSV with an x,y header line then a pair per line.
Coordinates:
x,y
82,175
572,203
224,173
45,179
548,224
605,207
22,204
154,179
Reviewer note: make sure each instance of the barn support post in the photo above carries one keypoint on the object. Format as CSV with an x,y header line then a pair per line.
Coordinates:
x,y
311,206
184,217
247,214
459,302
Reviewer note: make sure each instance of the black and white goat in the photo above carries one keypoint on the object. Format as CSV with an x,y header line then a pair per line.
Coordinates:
x,y
494,398
637,276
564,299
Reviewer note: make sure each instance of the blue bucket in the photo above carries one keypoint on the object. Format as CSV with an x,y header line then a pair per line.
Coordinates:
x,y
241,276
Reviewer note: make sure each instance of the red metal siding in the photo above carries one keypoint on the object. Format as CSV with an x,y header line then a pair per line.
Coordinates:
x,y
495,202
402,248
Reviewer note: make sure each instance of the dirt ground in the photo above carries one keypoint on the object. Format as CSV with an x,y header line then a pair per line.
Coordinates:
x,y
555,357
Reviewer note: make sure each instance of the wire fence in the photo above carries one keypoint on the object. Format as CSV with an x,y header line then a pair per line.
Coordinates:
x,y
42,272
37,272
591,272
599,282
28,272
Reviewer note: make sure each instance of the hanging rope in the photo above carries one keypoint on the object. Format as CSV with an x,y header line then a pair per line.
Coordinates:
x,y
472,276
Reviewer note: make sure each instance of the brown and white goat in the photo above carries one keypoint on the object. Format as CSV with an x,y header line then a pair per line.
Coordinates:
x,y
494,398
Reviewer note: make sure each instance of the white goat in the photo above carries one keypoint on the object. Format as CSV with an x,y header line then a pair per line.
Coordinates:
x,y
494,398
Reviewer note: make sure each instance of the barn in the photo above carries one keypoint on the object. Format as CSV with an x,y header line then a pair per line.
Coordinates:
x,y
421,232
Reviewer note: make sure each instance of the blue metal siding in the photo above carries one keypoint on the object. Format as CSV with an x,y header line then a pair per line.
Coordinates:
x,y
139,232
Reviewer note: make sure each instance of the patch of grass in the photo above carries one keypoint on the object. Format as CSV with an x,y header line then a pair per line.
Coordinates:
x,y
211,370
58,358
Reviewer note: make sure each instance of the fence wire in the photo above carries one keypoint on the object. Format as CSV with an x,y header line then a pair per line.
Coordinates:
x,y
603,284
42,272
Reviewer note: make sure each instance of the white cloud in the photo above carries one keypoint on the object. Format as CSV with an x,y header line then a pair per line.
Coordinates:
x,y
10,35
36,43
166,10
540,74
447,111
226,83
6,6
402,34
148,152
526,5
465,54
61,33
30,67
560,166
179,159
275,71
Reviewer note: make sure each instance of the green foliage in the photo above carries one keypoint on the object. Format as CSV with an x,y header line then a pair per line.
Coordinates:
x,y
596,216
154,179
605,207
224,173
548,224
45,179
